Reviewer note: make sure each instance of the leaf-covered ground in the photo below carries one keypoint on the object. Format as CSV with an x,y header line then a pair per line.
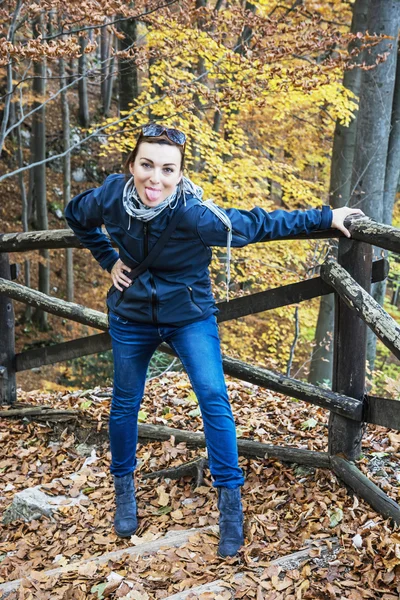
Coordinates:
x,y
285,505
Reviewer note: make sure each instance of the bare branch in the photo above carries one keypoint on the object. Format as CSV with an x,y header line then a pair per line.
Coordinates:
x,y
101,26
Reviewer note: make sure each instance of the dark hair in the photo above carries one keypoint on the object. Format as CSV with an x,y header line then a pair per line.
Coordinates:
x,y
151,140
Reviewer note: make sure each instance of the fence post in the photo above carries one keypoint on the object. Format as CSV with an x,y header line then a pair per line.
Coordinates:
x,y
350,348
7,340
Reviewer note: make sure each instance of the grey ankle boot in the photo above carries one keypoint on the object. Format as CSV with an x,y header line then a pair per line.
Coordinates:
x,y
125,521
230,521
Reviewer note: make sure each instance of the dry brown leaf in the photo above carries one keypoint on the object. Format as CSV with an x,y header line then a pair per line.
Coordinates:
x,y
88,569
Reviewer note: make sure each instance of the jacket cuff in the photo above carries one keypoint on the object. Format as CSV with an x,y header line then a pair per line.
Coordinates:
x,y
326,217
110,263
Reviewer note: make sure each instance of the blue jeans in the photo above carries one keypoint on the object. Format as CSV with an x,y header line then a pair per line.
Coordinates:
x,y
198,348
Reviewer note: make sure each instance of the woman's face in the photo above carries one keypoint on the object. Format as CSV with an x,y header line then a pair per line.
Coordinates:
x,y
156,171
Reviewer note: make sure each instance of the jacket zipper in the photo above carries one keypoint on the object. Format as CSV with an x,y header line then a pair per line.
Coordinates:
x,y
191,297
239,234
153,285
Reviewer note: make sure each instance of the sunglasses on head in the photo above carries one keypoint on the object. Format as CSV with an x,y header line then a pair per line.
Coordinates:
x,y
174,135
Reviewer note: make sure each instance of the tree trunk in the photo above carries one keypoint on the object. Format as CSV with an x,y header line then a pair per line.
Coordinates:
x,y
339,192
39,172
104,54
83,114
109,80
128,81
25,224
69,269
7,340
127,73
373,128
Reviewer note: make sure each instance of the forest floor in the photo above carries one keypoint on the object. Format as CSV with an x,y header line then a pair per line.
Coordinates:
x,y
285,505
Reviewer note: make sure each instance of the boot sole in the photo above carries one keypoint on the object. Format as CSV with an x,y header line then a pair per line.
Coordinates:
x,y
125,535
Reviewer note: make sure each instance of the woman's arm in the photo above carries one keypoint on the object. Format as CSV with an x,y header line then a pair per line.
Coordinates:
x,y
84,215
258,225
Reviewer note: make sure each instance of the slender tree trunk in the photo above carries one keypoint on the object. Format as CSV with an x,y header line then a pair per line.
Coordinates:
x,y
104,53
69,268
373,129
39,172
339,192
25,225
109,84
83,116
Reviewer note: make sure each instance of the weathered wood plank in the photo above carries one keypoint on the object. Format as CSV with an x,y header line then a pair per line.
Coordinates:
x,y
382,411
250,448
36,240
367,230
39,411
366,489
99,342
272,298
55,306
365,306
65,238
363,229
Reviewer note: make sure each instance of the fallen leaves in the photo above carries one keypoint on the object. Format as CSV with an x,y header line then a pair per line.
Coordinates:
x,y
285,507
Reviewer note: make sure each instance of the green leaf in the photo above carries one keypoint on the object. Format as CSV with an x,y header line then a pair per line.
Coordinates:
x,y
86,404
335,517
309,424
379,454
164,510
142,415
166,410
99,588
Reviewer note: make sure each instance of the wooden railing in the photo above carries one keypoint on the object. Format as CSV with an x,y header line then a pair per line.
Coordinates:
x,y
349,278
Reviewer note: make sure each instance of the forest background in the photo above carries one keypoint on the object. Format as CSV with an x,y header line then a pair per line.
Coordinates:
x,y
285,105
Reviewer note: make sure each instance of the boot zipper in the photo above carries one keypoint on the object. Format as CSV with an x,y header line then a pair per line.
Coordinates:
x,y
152,283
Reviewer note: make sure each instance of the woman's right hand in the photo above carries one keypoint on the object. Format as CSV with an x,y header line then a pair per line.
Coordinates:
x,y
118,276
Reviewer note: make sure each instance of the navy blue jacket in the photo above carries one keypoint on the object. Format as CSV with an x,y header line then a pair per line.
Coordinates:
x,y
176,290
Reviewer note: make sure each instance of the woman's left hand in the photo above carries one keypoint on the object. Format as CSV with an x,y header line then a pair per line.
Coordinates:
x,y
339,215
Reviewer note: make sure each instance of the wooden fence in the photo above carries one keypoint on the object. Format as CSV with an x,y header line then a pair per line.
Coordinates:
x,y
349,278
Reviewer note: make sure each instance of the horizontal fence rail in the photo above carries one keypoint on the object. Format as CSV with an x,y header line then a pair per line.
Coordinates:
x,y
350,407
363,229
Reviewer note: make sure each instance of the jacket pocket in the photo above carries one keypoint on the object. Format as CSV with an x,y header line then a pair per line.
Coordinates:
x,y
190,290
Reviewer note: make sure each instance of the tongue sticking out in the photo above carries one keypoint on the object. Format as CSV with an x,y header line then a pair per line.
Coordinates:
x,y
152,195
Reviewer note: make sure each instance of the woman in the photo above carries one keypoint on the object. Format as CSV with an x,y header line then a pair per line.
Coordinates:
x,y
171,301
